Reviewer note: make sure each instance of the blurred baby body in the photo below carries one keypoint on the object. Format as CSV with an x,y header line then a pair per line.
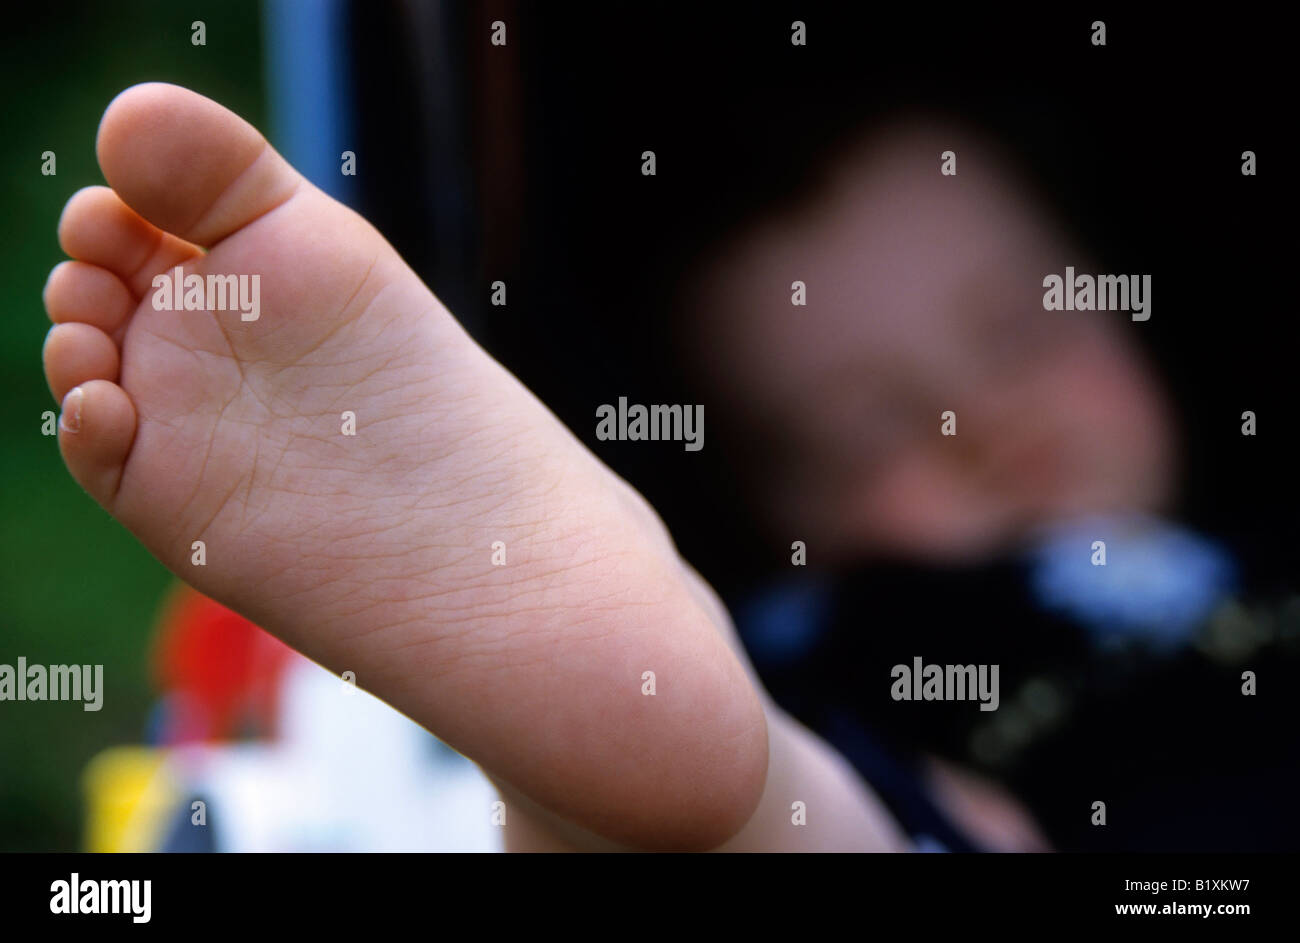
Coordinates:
x,y
928,401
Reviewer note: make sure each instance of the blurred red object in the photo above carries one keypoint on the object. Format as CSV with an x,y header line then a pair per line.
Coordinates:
x,y
219,673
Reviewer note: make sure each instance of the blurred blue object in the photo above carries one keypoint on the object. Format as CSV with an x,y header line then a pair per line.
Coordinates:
x,y
783,623
309,87
1158,583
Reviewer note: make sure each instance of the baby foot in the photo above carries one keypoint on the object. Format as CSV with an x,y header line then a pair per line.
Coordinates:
x,y
373,552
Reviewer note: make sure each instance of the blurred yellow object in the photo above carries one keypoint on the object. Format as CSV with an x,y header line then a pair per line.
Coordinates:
x,y
130,793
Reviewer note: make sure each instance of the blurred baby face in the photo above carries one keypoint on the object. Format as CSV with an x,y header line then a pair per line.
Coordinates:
x,y
923,295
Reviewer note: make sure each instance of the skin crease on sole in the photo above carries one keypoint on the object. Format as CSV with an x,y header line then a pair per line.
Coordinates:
x,y
371,552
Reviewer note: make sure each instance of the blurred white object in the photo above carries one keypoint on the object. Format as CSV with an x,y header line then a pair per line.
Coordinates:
x,y
347,773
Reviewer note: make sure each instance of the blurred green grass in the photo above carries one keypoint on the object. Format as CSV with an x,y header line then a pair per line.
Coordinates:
x,y
75,588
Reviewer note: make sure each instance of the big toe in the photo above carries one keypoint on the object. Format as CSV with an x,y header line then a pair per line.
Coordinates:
x,y
188,165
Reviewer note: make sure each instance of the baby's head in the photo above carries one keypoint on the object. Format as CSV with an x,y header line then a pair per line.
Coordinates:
x,y
923,294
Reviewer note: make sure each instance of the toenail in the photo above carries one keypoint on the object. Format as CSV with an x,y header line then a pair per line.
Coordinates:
x,y
71,418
